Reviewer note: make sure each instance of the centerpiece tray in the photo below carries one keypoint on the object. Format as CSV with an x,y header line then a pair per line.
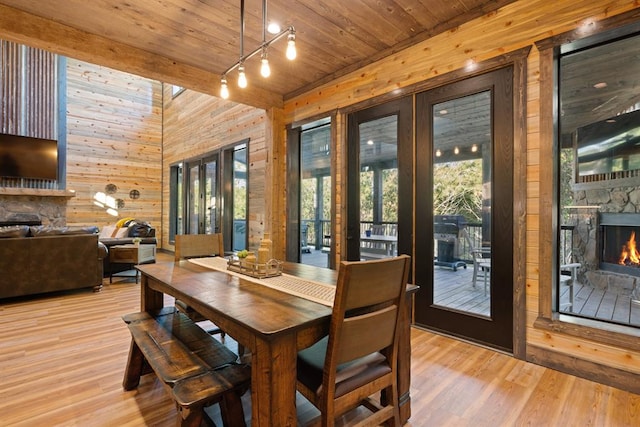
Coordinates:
x,y
271,268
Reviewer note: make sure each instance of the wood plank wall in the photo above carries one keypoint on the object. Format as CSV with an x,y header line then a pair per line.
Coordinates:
x,y
195,124
516,26
114,136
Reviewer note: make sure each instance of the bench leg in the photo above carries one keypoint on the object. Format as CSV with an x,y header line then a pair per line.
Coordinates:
x,y
133,370
231,410
190,418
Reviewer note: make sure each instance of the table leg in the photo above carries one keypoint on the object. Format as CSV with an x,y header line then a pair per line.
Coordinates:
x,y
273,382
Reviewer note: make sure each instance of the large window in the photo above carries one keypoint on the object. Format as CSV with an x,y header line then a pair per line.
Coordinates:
x,y
598,152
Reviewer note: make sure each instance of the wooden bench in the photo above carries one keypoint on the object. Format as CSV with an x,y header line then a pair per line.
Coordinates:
x,y
198,370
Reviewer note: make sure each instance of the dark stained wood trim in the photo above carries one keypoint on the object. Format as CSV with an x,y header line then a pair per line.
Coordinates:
x,y
519,203
548,206
21,27
292,194
603,374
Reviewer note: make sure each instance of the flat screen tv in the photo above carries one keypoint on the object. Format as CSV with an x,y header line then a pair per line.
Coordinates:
x,y
608,146
27,157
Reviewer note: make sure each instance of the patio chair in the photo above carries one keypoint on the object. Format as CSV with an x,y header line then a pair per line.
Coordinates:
x,y
481,261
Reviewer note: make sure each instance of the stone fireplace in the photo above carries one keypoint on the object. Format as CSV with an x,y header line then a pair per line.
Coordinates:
x,y
48,206
598,229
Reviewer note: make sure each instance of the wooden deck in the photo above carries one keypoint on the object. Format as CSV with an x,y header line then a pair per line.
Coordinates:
x,y
455,291
602,305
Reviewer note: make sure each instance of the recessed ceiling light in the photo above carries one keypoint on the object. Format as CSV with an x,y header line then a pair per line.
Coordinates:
x,y
600,85
443,112
273,28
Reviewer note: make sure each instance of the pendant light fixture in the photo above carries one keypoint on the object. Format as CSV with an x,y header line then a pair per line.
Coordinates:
x,y
265,69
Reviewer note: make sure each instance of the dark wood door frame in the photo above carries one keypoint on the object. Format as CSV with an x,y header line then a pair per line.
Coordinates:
x,y
497,330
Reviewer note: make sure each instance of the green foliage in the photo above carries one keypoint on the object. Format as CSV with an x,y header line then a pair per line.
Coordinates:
x,y
240,199
366,196
457,189
390,195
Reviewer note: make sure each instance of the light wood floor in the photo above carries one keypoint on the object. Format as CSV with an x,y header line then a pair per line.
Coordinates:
x,y
62,359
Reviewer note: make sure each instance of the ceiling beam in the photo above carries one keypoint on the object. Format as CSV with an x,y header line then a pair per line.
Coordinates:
x,y
34,31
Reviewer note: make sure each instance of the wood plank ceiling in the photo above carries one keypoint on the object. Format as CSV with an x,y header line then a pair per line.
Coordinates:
x,y
333,37
191,42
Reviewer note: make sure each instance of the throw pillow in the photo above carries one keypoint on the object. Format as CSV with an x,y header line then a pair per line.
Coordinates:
x,y
122,233
108,231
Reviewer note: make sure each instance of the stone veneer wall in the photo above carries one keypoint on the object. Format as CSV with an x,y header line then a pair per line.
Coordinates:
x,y
585,237
51,210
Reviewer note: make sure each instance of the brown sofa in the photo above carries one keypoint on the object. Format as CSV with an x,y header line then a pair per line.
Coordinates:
x,y
48,260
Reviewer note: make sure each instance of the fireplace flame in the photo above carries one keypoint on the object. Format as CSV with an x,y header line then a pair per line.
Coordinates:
x,y
629,254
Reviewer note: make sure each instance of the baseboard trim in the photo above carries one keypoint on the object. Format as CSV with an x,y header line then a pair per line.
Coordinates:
x,y
614,377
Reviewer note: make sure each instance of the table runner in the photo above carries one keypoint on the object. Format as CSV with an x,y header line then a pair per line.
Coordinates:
x,y
321,293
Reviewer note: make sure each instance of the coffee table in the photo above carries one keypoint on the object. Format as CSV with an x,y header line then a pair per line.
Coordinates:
x,y
131,254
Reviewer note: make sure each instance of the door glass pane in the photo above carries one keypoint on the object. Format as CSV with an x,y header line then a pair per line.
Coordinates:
x,y
379,188
462,143
239,238
194,199
315,195
211,224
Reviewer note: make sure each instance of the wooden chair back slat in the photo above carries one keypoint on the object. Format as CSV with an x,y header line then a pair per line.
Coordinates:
x,y
198,245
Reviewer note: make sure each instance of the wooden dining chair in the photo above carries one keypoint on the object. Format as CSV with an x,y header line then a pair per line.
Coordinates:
x,y
197,246
359,356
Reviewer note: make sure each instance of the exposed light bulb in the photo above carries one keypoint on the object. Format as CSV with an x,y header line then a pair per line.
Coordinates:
x,y
242,78
291,46
438,153
265,69
456,150
224,89
474,148
273,28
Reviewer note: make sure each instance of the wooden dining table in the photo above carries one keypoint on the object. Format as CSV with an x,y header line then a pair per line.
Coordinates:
x,y
272,324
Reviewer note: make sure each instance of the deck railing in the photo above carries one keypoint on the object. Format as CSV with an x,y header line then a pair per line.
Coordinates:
x,y
319,234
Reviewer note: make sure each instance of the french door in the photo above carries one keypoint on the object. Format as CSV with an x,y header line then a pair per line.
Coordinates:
x,y
464,208
212,191
379,181
203,193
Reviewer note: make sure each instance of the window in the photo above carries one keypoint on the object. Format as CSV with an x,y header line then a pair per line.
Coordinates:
x,y
598,175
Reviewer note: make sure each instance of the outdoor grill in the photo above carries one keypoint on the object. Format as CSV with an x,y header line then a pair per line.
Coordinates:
x,y
446,232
